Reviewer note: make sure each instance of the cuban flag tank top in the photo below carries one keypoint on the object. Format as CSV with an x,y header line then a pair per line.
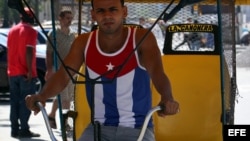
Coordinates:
x,y
122,94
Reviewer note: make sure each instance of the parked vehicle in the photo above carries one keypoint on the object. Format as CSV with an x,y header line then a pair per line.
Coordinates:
x,y
245,39
40,58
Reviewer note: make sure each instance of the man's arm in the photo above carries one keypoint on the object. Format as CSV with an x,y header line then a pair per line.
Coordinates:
x,y
29,57
49,59
49,64
60,79
150,58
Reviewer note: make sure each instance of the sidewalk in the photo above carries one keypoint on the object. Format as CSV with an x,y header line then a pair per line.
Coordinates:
x,y
37,125
242,112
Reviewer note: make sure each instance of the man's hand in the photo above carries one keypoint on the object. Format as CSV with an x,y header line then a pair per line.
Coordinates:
x,y
169,107
31,103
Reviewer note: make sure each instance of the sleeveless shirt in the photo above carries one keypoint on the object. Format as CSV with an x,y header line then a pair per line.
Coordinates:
x,y
122,94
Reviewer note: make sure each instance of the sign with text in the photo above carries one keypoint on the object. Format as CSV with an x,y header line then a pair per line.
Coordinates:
x,y
236,132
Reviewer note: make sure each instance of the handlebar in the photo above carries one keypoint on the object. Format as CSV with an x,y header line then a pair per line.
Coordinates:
x,y
45,117
142,133
145,124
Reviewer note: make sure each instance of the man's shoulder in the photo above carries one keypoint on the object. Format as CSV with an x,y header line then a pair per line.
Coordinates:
x,y
28,27
22,27
83,38
142,31
15,27
84,35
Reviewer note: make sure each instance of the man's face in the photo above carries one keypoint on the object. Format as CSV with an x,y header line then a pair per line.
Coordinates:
x,y
66,20
109,14
189,20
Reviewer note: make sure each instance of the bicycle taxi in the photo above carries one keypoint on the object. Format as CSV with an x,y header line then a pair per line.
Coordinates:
x,y
202,75
202,81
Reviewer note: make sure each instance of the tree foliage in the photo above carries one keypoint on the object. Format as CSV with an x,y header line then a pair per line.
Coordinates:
x,y
9,16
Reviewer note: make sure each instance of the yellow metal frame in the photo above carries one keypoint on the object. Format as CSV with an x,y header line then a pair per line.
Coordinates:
x,y
196,85
196,82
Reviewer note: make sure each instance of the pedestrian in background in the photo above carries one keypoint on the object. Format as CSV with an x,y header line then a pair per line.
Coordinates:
x,y
21,42
64,38
144,23
186,36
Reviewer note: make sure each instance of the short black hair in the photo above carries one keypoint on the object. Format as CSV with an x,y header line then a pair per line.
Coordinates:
x,y
92,1
27,16
64,12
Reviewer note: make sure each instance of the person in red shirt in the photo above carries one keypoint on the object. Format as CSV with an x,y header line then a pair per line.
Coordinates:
x,y
21,43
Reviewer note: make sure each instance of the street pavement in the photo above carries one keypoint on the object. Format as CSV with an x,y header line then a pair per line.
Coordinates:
x,y
37,125
242,112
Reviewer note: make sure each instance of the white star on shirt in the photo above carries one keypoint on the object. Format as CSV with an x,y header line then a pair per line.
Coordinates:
x,y
110,66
